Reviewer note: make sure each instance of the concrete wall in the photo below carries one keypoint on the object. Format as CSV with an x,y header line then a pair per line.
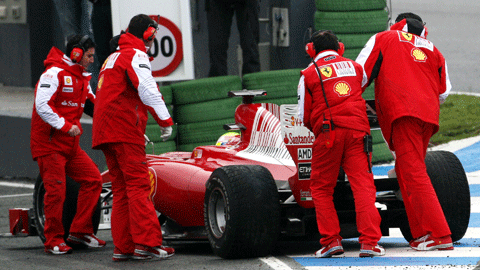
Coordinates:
x,y
15,157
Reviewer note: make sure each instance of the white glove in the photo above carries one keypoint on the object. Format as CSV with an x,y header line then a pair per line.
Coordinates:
x,y
166,132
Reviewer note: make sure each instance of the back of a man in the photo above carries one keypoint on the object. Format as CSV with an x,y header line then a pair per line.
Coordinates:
x,y
410,74
411,81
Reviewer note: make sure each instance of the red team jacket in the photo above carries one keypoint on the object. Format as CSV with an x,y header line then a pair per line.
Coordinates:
x,y
410,73
126,91
342,78
60,96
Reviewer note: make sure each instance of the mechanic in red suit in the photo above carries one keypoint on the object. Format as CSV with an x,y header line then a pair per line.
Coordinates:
x,y
126,90
335,111
411,81
60,96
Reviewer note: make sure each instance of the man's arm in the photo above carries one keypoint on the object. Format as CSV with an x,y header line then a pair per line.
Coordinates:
x,y
370,59
45,94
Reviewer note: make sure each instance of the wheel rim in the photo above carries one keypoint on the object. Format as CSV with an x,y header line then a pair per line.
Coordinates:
x,y
217,212
40,211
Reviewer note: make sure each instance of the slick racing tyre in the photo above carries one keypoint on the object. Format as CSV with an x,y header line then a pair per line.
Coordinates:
x,y
69,207
242,211
451,185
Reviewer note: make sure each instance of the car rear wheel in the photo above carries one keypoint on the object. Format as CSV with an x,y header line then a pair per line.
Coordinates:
x,y
242,211
451,185
69,207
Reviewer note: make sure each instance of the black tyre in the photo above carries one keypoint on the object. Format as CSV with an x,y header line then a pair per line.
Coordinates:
x,y
451,185
69,207
349,5
242,211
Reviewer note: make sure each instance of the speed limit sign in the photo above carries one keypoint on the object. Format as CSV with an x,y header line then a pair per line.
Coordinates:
x,y
167,50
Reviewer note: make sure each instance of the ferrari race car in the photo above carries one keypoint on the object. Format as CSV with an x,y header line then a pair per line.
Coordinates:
x,y
251,190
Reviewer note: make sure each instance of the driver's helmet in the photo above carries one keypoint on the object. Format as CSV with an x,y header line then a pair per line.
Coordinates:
x,y
229,138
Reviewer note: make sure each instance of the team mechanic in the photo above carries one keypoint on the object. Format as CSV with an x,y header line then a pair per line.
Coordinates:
x,y
330,104
411,81
60,96
126,90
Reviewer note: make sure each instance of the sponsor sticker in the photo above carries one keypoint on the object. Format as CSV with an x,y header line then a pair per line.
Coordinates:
x,y
418,55
342,88
67,89
304,153
304,171
67,80
144,66
45,85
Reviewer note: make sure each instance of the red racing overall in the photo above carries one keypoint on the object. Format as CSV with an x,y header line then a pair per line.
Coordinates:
x,y
411,80
126,90
342,79
60,96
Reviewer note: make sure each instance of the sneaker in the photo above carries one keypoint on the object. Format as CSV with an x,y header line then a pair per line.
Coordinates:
x,y
89,240
144,252
332,249
429,242
370,251
59,250
118,256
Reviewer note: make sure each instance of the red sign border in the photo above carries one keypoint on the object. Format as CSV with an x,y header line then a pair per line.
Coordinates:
x,y
177,59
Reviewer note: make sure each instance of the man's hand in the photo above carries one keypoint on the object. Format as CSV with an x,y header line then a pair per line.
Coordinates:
x,y
166,132
74,131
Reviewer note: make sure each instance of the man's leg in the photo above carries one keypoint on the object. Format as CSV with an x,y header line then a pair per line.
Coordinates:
x,y
410,137
52,171
219,21
249,30
83,171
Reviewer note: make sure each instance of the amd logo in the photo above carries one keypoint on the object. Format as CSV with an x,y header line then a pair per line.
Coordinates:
x,y
304,153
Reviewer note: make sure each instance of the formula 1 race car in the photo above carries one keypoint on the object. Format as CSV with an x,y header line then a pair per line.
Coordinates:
x,y
251,190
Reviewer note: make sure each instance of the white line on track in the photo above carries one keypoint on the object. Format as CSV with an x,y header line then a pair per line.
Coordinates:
x,y
275,263
18,185
16,195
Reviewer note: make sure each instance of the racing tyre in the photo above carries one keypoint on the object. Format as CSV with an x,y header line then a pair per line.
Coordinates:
x,y
69,207
242,211
451,185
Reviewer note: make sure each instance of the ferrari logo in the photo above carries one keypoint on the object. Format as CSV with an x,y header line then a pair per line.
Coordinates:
x,y
407,36
418,55
342,89
100,82
326,71
152,185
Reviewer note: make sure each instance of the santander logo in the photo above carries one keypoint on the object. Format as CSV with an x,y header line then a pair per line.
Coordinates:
x,y
69,103
290,138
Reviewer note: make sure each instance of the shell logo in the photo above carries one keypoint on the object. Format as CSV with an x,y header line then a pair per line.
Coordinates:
x,y
407,36
418,55
69,80
342,89
326,71
292,122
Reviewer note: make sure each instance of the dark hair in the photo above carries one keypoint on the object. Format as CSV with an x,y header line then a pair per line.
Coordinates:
x,y
407,15
324,40
79,41
139,23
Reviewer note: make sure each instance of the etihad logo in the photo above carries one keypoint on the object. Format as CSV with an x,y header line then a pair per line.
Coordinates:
x,y
418,55
326,71
407,36
69,103
342,89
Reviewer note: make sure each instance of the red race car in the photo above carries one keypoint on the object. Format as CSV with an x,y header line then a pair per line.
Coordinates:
x,y
252,189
